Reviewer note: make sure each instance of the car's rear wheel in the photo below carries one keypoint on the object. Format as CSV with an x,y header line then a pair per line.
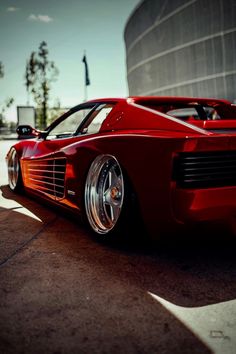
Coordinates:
x,y
105,195
14,171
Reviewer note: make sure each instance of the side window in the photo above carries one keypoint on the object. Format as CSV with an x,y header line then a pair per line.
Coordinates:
x,y
94,123
70,124
211,113
184,113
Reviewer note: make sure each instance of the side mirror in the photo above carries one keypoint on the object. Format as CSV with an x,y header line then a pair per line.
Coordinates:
x,y
42,134
26,132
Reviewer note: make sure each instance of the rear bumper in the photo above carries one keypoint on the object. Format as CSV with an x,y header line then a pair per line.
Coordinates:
x,y
204,205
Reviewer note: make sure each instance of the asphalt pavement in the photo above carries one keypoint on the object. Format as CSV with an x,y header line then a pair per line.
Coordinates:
x,y
61,291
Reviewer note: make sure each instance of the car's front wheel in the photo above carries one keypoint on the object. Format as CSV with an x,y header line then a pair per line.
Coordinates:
x,y
105,195
14,171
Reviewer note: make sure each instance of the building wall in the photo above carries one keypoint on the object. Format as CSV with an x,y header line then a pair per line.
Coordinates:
x,y
182,47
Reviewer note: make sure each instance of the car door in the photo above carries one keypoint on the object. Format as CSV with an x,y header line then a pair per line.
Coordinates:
x,y
43,168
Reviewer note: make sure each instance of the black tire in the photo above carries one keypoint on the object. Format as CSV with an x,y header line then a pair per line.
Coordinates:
x,y
14,171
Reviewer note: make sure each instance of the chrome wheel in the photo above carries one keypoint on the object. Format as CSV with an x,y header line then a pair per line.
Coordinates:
x,y
13,170
104,193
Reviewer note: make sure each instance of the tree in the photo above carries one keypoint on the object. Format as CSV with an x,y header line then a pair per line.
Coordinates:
x,y
39,74
6,104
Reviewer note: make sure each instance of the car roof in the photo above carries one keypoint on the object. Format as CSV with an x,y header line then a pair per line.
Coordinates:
x,y
161,99
179,99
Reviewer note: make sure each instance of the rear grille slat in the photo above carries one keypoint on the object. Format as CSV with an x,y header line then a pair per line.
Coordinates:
x,y
209,162
214,173
209,168
205,169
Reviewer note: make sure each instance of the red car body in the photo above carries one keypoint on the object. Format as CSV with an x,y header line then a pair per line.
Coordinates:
x,y
179,159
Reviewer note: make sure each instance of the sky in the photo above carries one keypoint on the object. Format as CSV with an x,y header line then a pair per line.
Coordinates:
x,y
69,28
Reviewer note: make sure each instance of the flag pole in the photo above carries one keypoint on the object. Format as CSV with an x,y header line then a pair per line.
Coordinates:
x,y
85,92
87,80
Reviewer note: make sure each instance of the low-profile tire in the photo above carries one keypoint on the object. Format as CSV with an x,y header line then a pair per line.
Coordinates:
x,y
107,198
14,171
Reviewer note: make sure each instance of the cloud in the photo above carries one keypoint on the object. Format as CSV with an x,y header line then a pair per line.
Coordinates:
x,y
12,9
40,18
32,18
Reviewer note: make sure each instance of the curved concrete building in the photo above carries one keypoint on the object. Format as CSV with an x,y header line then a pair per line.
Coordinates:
x,y
182,48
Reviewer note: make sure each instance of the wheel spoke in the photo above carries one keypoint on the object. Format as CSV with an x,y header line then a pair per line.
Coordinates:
x,y
110,178
106,196
115,178
115,212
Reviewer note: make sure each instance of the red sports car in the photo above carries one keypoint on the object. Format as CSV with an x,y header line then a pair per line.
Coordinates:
x,y
168,161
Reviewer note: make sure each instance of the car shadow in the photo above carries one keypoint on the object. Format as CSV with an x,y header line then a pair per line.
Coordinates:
x,y
189,274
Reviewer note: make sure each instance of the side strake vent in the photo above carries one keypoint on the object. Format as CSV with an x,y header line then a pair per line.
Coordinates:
x,y
48,176
205,169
